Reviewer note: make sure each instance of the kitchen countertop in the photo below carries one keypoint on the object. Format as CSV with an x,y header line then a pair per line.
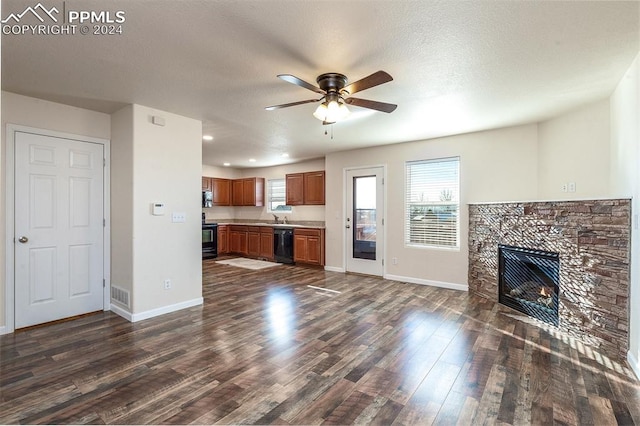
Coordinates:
x,y
271,224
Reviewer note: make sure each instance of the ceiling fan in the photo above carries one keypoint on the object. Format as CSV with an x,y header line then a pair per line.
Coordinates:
x,y
336,93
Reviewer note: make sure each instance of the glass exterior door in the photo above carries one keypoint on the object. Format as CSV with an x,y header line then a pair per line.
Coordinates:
x,y
364,221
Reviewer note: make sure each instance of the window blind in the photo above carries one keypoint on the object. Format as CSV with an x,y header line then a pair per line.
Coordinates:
x,y
432,202
277,196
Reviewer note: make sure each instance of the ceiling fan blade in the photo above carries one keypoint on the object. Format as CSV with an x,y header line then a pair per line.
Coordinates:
x,y
373,80
295,80
308,101
378,106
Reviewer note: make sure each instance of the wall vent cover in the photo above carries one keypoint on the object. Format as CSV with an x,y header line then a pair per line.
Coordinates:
x,y
120,295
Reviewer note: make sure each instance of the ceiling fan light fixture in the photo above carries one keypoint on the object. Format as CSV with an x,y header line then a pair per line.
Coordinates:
x,y
331,111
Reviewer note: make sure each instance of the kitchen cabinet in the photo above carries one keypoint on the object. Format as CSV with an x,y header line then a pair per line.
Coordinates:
x,y
266,242
247,192
306,188
253,240
223,239
295,189
314,188
238,239
221,189
308,246
206,183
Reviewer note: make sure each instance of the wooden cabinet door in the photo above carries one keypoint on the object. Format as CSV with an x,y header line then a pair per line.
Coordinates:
x,y
223,239
206,183
266,243
221,189
295,189
313,250
253,240
248,192
237,192
300,248
234,242
314,188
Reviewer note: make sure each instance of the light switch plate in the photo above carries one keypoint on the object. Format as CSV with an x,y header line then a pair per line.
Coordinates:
x,y
178,217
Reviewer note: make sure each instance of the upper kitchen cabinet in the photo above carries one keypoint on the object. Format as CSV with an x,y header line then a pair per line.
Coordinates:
x,y
221,189
206,183
248,192
305,188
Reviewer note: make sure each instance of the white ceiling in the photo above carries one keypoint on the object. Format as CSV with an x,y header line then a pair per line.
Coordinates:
x,y
457,66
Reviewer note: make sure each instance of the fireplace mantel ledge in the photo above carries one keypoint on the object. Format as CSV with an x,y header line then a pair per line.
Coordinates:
x,y
480,203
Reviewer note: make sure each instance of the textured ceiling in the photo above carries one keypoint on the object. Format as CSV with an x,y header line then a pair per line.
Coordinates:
x,y
458,66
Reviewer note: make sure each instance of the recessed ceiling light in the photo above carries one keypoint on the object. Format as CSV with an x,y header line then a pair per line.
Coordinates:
x,y
285,155
207,138
252,160
226,164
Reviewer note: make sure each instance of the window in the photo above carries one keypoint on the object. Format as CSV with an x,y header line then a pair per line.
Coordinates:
x,y
432,203
277,196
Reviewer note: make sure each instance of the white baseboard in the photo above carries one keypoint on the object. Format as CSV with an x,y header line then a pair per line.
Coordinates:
x,y
635,365
155,312
334,269
3,330
121,312
452,286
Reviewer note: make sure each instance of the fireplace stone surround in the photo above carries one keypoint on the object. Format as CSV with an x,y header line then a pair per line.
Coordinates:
x,y
592,238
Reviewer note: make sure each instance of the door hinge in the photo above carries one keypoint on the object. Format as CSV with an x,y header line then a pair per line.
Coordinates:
x,y
383,181
104,284
104,222
383,221
382,262
104,162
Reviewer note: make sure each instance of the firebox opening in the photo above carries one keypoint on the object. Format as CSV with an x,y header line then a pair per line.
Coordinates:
x,y
529,281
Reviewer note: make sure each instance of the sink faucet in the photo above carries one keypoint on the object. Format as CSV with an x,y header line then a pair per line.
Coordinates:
x,y
276,218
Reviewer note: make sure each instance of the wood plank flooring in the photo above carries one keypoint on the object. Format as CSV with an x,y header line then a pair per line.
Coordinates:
x,y
267,349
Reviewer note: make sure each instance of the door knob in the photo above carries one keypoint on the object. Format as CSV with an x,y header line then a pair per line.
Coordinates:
x,y
348,226
23,239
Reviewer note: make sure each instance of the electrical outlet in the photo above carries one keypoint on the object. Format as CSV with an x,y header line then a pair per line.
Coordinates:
x,y
394,260
565,187
167,284
571,186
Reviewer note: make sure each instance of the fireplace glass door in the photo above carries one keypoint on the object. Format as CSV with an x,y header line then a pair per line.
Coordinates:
x,y
529,281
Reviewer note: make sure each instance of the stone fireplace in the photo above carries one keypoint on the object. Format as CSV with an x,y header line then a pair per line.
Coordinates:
x,y
590,241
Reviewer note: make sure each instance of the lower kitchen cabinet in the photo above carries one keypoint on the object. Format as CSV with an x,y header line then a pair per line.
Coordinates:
x,y
266,242
238,239
308,246
223,239
253,239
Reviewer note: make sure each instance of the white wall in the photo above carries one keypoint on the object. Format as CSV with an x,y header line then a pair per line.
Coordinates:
x,y
27,111
299,213
122,199
574,147
497,165
166,162
625,182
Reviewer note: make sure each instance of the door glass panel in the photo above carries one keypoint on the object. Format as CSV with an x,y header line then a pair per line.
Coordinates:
x,y
364,217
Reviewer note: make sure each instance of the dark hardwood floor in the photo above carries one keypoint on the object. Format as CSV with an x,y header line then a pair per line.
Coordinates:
x,y
267,348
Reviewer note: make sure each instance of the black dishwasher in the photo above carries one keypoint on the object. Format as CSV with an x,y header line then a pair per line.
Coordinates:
x,y
283,245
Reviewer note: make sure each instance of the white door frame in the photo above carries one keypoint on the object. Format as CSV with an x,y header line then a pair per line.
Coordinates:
x,y
345,252
9,216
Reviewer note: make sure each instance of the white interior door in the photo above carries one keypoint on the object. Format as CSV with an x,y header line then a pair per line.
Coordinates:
x,y
58,228
364,221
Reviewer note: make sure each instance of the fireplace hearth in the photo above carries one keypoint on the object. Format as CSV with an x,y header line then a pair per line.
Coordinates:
x,y
529,281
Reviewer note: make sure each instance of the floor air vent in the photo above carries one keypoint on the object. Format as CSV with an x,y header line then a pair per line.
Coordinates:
x,y
120,295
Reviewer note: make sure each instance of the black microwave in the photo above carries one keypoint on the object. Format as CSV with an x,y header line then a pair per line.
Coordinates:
x,y
207,199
